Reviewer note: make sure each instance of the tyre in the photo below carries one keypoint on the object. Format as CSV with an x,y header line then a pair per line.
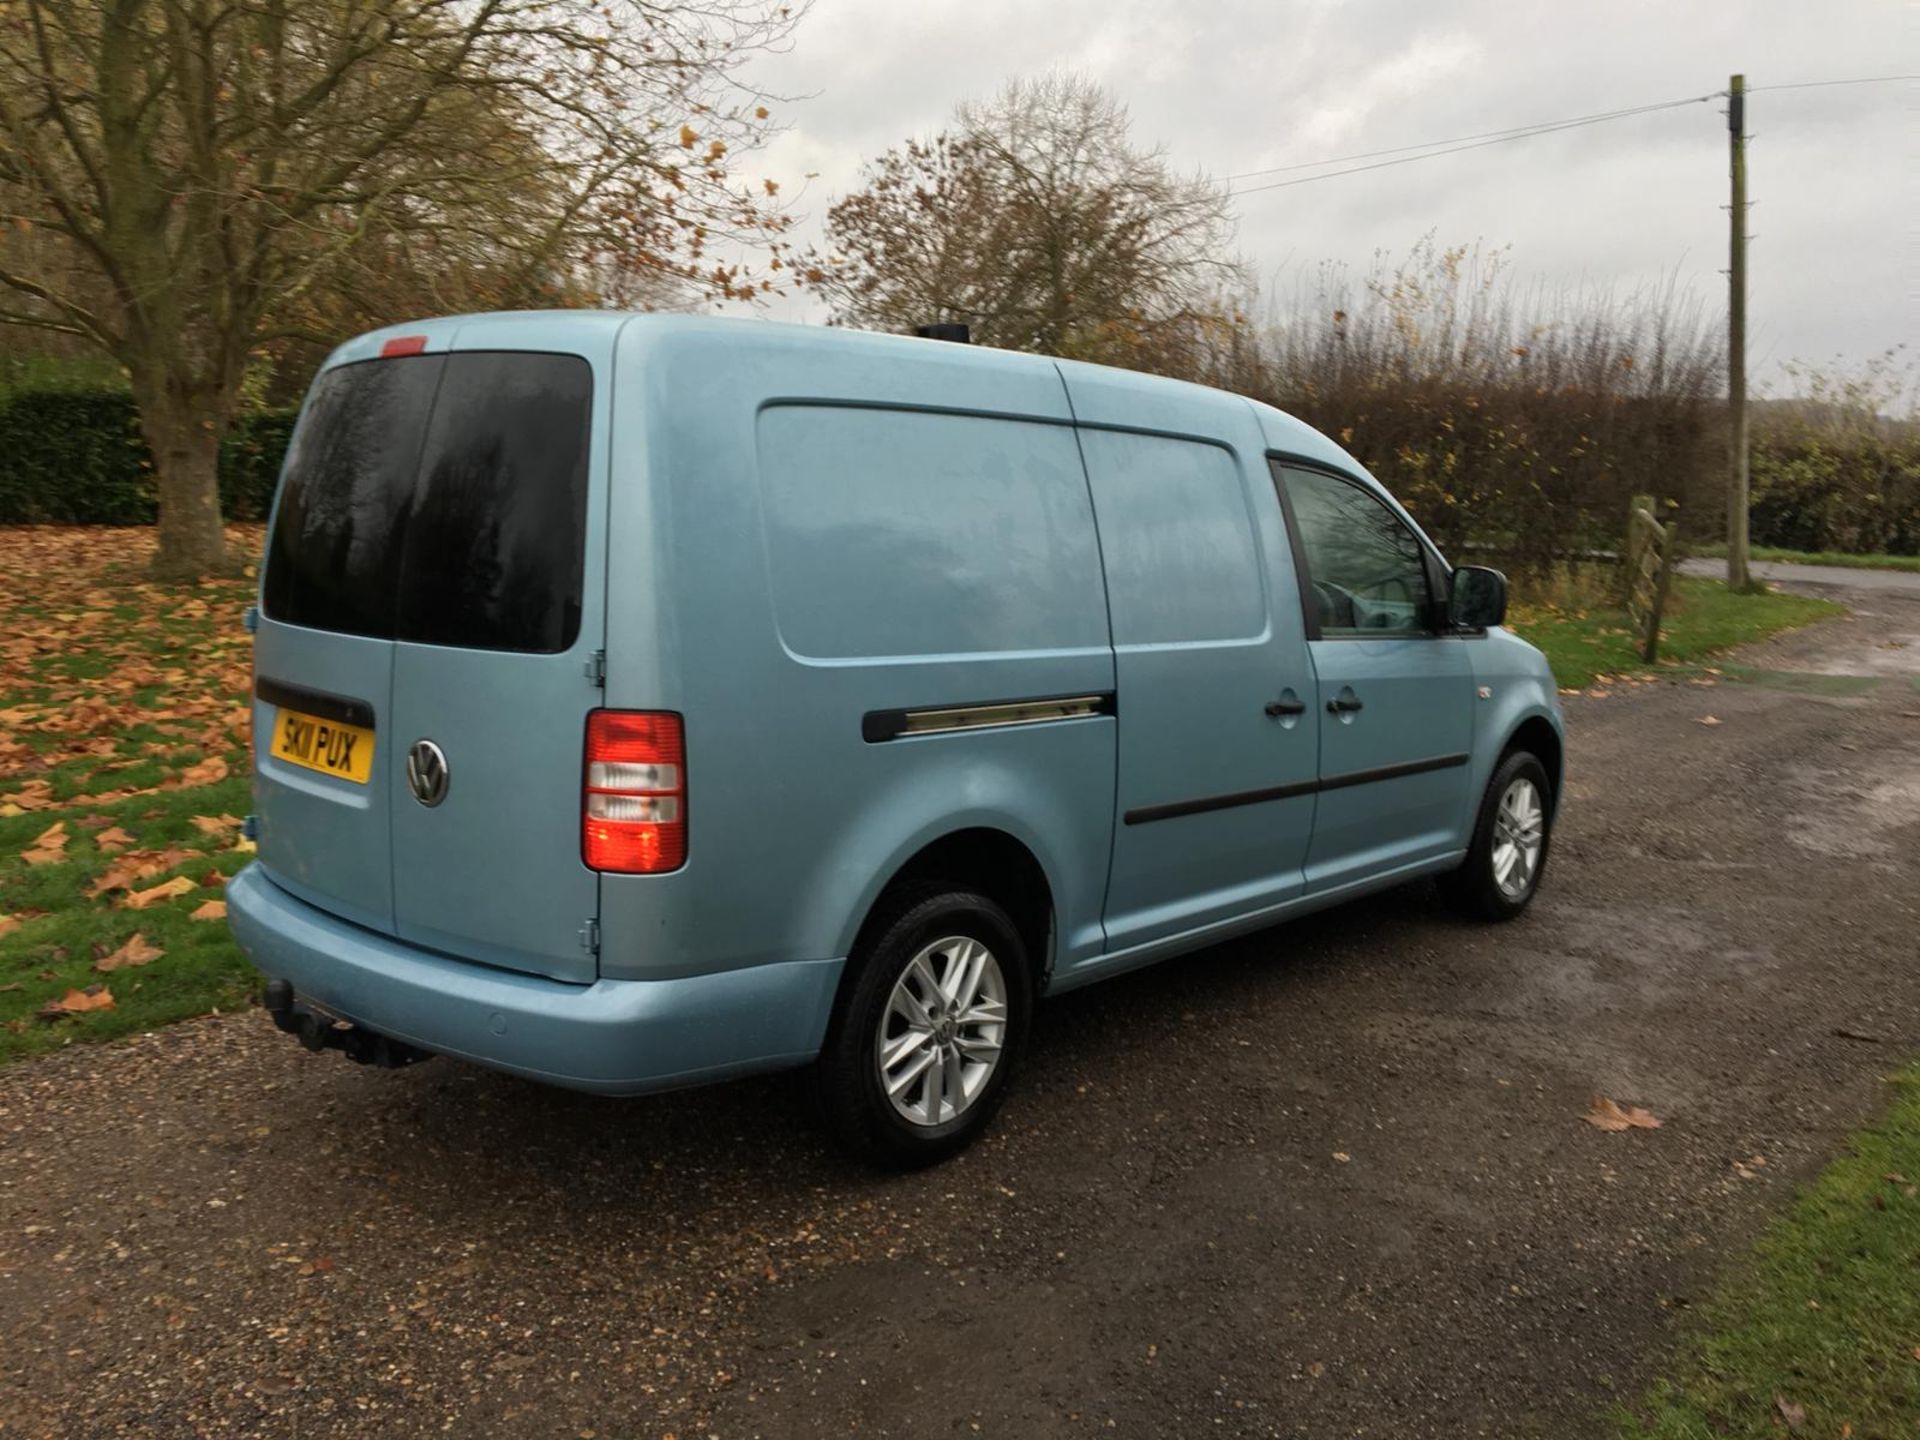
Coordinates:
x,y
1508,854
928,1028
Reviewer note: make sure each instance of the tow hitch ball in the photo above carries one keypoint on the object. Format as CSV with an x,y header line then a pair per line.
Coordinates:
x,y
322,1032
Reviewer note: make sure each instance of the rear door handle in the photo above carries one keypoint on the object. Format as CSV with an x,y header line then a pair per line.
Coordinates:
x,y
1344,703
1277,708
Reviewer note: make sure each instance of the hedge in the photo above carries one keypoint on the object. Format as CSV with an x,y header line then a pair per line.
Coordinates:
x,y
75,456
1857,494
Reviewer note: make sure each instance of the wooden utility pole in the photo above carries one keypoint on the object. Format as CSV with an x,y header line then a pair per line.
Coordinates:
x,y
1737,576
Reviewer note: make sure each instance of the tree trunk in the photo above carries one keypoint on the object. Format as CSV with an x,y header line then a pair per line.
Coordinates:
x,y
183,432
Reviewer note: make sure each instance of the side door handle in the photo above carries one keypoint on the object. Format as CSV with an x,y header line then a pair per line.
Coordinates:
x,y
1277,708
1344,704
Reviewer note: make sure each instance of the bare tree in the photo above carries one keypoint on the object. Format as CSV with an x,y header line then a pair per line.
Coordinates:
x,y
1039,223
189,180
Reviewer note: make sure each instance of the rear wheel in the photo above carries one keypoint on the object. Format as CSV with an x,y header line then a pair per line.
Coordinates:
x,y
1508,852
920,1051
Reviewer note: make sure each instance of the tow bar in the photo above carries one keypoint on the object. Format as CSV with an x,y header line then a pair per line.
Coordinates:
x,y
318,1031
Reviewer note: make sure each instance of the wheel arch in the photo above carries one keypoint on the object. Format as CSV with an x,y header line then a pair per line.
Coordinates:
x,y
1542,738
992,861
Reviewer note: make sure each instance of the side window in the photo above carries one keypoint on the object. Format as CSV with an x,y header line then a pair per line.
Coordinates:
x,y
1366,570
914,533
1176,538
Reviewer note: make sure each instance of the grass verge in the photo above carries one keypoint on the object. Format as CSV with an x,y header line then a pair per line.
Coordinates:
x,y
1703,617
123,768
1818,1331
1814,557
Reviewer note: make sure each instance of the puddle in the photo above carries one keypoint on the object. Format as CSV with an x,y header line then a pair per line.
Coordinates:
x,y
1830,683
1854,821
1897,654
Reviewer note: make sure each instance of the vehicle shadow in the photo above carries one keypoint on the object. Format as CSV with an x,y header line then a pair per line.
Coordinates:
x,y
753,1150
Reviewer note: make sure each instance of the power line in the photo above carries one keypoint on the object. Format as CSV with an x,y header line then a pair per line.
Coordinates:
x,y
1496,138
1513,131
1817,84
1429,149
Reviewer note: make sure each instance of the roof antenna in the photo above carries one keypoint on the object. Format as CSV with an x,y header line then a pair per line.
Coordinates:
x,y
946,330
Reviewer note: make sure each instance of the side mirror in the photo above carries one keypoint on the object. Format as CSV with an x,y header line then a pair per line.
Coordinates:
x,y
1479,598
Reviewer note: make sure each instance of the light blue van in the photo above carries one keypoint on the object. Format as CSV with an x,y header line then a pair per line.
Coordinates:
x,y
645,700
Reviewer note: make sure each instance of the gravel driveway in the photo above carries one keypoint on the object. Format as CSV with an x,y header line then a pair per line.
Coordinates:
x,y
1331,1179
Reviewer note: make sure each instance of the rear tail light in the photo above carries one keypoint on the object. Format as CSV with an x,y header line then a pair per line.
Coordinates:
x,y
633,810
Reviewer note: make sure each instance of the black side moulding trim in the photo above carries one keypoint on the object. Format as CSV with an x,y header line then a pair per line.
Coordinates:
x,y
1174,809
342,708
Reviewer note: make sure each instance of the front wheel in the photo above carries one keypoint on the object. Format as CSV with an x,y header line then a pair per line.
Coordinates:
x,y
1508,852
923,1043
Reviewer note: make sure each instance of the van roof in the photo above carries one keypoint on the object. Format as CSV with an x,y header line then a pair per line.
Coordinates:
x,y
1282,431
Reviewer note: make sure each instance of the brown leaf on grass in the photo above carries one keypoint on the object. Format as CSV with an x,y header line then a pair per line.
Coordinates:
x,y
50,848
138,865
135,952
33,795
78,1002
1793,1416
113,840
209,771
1604,1114
9,922
212,880
209,910
215,824
165,890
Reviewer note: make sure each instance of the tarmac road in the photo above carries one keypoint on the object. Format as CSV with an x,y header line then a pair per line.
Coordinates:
x,y
1327,1180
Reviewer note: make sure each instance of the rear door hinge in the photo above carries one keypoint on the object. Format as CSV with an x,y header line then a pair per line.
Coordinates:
x,y
597,669
590,937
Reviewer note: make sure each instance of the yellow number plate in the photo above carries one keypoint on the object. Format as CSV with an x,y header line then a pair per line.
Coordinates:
x,y
323,745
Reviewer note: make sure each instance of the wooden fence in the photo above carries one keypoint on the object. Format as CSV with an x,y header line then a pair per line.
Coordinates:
x,y
1647,570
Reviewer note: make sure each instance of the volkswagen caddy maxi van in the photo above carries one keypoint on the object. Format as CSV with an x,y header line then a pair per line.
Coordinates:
x,y
645,700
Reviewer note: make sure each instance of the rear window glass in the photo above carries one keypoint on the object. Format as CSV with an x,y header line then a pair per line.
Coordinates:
x,y
440,499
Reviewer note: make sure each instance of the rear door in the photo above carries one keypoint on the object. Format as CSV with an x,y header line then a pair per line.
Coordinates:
x,y
323,655
500,610
434,589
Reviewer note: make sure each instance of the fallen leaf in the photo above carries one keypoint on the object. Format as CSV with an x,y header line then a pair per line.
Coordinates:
x,y
1707,720
210,910
138,865
215,824
113,840
9,922
49,847
78,1002
135,952
1342,1156
1604,1114
1791,1415
208,772
165,890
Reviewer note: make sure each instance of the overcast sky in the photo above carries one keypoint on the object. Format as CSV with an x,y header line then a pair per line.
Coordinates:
x,y
1233,86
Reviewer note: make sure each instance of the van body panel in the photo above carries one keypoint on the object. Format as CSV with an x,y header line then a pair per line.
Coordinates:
x,y
1207,633
747,422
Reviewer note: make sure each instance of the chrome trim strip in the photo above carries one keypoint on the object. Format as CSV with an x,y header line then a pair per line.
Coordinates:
x,y
880,725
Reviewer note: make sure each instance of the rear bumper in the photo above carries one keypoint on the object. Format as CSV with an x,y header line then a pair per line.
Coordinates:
x,y
615,1037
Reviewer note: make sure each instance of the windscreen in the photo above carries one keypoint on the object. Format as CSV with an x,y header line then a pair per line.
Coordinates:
x,y
440,499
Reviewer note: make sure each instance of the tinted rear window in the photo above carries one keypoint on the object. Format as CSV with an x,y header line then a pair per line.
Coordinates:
x,y
440,499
